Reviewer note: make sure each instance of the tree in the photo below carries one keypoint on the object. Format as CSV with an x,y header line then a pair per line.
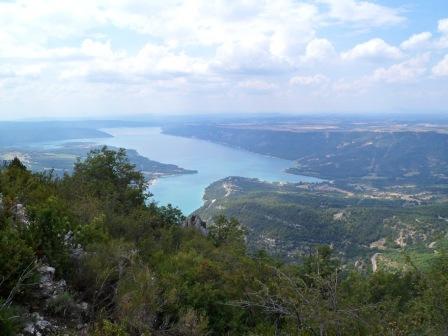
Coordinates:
x,y
49,224
321,262
109,176
16,164
226,231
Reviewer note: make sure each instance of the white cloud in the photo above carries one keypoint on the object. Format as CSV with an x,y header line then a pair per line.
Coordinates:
x,y
100,50
21,71
443,26
207,48
160,59
253,57
441,68
257,85
344,85
443,29
363,12
245,36
416,41
319,49
374,49
271,32
309,80
151,62
409,70
412,70
200,22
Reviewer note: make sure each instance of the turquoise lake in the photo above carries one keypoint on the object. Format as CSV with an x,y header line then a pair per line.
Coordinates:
x,y
212,161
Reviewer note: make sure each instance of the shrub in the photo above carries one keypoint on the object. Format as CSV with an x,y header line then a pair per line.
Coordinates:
x,y
107,328
10,322
15,257
62,305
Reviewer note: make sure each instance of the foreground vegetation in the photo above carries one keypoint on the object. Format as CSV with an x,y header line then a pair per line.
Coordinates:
x,y
141,273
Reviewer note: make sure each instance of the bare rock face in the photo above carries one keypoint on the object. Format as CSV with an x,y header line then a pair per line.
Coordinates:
x,y
19,213
195,222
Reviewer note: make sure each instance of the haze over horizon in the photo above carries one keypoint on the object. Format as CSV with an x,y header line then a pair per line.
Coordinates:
x,y
103,59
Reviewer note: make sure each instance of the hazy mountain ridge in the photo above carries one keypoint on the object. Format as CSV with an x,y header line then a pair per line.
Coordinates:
x,y
13,134
61,159
375,157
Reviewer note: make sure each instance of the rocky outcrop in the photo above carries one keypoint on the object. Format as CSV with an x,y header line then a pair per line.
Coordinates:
x,y
48,287
195,222
53,309
38,326
76,250
20,215
361,265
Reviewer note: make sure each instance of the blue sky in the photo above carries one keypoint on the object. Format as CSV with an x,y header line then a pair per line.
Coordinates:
x,y
105,58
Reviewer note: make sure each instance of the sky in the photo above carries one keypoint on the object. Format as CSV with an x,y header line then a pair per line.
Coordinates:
x,y
105,58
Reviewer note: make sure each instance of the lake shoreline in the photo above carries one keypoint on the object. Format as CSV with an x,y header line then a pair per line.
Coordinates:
x,y
211,161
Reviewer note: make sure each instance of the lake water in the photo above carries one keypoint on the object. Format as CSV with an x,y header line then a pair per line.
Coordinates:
x,y
212,161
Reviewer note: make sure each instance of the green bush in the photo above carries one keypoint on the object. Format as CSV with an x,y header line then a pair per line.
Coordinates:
x,y
10,321
62,305
16,256
49,225
108,328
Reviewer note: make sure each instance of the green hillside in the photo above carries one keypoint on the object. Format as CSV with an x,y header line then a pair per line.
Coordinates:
x,y
378,156
291,219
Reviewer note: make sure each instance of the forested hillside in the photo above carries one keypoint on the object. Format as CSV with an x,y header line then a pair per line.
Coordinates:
x,y
290,219
87,254
373,156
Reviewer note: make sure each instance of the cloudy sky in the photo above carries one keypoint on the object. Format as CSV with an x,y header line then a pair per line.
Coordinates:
x,y
88,58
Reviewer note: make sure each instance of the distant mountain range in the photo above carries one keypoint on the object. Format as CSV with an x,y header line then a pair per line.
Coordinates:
x,y
372,155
